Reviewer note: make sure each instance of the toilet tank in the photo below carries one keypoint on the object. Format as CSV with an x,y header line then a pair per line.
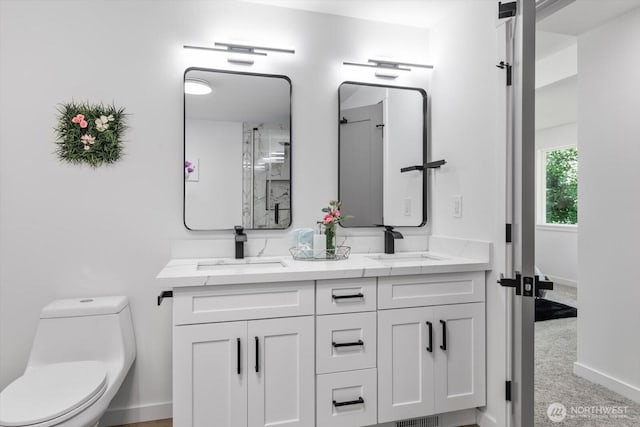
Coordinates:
x,y
98,328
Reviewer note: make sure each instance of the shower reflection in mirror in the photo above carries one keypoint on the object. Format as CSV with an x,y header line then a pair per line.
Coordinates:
x,y
238,136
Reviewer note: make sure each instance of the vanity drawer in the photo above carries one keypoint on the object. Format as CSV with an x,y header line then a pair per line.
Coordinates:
x,y
347,399
345,342
242,302
430,289
345,295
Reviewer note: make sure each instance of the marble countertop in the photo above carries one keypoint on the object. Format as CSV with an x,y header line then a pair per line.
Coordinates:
x,y
227,271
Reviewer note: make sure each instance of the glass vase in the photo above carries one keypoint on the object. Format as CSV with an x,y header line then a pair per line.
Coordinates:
x,y
330,232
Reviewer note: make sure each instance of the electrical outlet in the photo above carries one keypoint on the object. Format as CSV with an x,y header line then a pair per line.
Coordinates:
x,y
407,207
457,206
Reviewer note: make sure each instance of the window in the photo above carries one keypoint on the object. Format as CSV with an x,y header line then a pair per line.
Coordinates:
x,y
558,198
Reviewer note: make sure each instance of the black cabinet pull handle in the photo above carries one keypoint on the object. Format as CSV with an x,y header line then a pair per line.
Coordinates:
x,y
238,368
339,297
444,335
430,346
277,213
257,354
347,344
350,402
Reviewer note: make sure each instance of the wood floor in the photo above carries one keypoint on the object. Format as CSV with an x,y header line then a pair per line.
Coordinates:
x,y
165,423
158,423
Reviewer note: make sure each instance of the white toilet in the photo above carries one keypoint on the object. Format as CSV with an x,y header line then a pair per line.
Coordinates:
x,y
82,352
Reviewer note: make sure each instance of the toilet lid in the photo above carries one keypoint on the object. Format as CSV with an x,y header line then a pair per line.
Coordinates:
x,y
51,391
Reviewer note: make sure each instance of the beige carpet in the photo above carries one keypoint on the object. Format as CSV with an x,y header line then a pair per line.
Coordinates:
x,y
556,383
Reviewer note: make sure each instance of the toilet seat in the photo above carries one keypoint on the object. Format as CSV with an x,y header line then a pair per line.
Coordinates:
x,y
51,394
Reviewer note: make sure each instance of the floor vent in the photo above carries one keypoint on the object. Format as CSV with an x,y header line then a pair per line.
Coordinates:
x,y
420,422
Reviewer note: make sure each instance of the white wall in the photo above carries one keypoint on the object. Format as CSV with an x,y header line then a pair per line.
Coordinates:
x,y
70,230
609,201
556,245
467,107
215,200
557,66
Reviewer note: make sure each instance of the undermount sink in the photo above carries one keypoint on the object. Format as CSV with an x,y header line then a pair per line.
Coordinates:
x,y
244,264
405,258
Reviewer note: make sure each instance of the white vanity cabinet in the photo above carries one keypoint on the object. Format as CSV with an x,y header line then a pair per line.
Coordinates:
x,y
349,352
431,359
346,352
244,373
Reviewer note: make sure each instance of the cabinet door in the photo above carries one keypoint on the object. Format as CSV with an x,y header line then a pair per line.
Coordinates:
x,y
281,367
405,366
209,375
460,367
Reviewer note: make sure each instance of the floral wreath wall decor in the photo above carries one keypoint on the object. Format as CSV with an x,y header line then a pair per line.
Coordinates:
x,y
90,134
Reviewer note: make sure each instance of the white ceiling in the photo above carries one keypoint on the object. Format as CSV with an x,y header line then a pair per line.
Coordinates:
x,y
414,13
550,43
584,15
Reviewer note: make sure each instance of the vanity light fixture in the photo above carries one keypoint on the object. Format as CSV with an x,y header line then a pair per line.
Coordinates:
x,y
388,65
386,75
196,87
240,61
240,48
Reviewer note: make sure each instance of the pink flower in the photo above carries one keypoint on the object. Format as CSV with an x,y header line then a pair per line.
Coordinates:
x,y
83,123
87,147
328,219
336,213
78,119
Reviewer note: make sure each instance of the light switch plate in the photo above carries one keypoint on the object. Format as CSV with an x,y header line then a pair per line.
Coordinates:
x,y
457,206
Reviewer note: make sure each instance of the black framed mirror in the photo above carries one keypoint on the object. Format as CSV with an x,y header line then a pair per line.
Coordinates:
x,y
382,143
237,150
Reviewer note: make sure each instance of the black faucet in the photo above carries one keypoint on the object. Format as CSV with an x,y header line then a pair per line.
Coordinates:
x,y
240,239
389,239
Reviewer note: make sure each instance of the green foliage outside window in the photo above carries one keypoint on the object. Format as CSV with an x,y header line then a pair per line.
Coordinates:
x,y
562,186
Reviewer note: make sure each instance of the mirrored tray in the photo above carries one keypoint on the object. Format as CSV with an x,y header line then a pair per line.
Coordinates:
x,y
301,254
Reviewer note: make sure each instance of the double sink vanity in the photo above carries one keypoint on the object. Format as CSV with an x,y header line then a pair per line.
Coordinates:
x,y
395,339
373,339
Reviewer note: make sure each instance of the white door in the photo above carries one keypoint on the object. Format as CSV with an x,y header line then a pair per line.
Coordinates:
x,y
405,363
281,372
209,375
520,210
361,163
460,356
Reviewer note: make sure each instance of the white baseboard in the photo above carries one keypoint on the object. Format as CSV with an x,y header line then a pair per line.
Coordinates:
x,y
563,281
484,419
627,390
138,414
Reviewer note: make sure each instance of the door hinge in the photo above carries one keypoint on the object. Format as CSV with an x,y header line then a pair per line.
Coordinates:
x,y
508,238
507,10
508,69
507,391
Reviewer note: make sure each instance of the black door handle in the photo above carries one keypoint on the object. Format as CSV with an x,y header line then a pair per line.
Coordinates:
x,y
257,354
430,346
238,368
339,297
277,213
347,344
350,402
444,335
